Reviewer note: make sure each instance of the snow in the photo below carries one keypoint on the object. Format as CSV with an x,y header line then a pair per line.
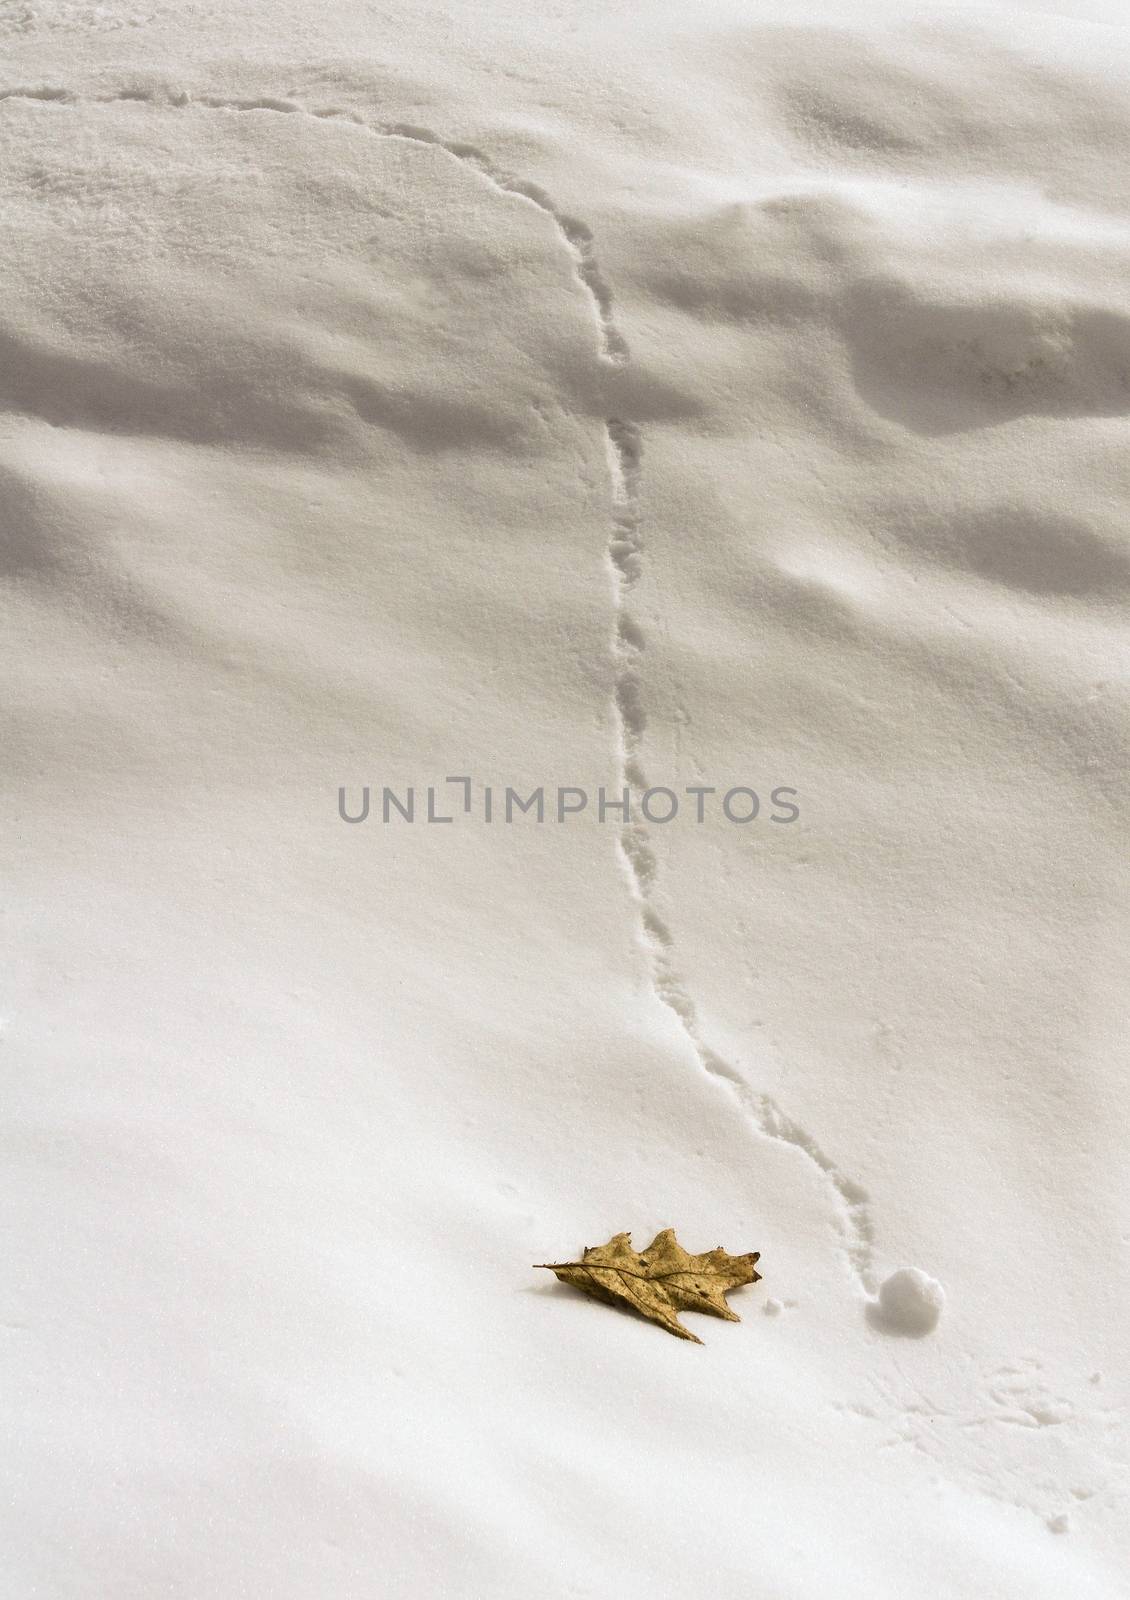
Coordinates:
x,y
681,400
909,1302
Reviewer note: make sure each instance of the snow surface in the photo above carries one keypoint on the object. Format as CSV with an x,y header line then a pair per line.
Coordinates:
x,y
586,395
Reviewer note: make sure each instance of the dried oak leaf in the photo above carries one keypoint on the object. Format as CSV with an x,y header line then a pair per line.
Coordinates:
x,y
660,1281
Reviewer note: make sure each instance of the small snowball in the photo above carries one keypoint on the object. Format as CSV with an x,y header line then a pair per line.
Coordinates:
x,y
772,1308
1060,1524
910,1301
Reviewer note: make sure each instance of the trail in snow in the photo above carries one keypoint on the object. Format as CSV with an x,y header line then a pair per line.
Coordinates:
x,y
625,553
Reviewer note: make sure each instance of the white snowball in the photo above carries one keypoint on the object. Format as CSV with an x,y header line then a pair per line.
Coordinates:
x,y
910,1301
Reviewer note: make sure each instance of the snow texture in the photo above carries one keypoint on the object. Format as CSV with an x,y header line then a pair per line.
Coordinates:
x,y
405,409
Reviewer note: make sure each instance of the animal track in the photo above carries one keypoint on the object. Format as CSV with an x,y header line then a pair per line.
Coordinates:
x,y
624,449
625,552
1016,1435
576,235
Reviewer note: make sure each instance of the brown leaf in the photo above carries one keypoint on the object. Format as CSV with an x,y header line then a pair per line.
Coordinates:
x,y
660,1281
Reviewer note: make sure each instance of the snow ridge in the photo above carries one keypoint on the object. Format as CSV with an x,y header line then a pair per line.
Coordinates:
x,y
625,550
